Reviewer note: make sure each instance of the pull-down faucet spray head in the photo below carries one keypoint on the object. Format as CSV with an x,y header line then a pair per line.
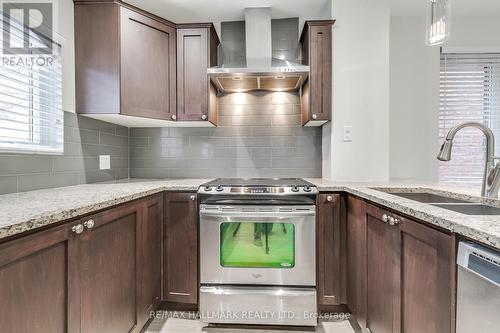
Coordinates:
x,y
445,151
491,177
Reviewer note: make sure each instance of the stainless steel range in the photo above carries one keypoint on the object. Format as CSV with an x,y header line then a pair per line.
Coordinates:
x,y
258,253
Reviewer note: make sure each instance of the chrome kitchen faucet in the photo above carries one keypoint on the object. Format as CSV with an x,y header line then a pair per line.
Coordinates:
x,y
491,177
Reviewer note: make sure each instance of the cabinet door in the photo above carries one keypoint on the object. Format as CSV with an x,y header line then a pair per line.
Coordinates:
x,y
192,81
356,259
109,271
382,273
321,71
152,213
148,67
331,254
427,288
39,283
317,53
181,248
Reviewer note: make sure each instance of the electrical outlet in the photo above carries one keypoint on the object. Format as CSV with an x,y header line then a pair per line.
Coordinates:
x,y
347,133
104,162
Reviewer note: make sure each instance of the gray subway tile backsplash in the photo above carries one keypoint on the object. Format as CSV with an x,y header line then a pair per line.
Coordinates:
x,y
84,140
258,135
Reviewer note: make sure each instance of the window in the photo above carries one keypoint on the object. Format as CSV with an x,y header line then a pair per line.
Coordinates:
x,y
469,91
31,117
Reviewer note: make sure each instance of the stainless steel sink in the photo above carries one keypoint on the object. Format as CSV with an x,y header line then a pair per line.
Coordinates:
x,y
453,204
469,209
427,197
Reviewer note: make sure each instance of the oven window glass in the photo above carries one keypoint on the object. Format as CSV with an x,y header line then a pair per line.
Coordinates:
x,y
252,244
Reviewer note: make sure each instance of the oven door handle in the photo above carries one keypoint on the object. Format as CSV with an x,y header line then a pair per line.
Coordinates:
x,y
255,216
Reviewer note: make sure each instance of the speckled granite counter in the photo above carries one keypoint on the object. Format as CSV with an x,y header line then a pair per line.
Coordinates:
x,y
20,212
29,210
485,229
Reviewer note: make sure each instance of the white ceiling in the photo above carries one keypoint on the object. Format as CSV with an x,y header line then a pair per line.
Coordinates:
x,y
184,11
458,7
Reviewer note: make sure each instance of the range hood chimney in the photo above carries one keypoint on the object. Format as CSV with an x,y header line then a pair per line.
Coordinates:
x,y
260,71
258,37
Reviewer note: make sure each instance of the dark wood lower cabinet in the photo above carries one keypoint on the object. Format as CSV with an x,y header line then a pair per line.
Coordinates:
x,y
103,277
356,260
330,243
381,300
427,286
110,280
410,275
151,256
180,272
38,283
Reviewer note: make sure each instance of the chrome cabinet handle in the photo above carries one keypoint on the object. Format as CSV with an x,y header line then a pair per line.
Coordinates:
x,y
174,117
329,198
77,229
203,117
192,197
385,218
314,116
89,224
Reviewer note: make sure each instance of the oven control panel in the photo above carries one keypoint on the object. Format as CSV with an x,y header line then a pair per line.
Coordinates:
x,y
257,190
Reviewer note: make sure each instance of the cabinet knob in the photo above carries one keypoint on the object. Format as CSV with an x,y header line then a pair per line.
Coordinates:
x,y
204,117
385,218
89,224
174,117
192,197
314,116
77,229
393,221
329,198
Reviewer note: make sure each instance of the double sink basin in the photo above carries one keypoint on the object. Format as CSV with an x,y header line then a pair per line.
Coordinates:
x,y
453,204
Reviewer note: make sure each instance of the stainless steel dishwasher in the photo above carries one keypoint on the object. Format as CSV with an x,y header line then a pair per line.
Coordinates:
x,y
478,295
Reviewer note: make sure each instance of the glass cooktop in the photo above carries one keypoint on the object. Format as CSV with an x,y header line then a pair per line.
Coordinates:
x,y
254,182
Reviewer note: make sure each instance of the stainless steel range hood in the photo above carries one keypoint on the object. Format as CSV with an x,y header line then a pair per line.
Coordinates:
x,y
259,71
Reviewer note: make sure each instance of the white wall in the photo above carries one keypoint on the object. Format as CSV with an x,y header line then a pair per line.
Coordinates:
x,y
360,92
478,33
414,100
414,88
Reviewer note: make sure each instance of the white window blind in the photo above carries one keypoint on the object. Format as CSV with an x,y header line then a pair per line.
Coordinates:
x,y
31,116
469,91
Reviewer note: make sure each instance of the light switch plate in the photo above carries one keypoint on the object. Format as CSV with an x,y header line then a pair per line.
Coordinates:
x,y
104,162
347,133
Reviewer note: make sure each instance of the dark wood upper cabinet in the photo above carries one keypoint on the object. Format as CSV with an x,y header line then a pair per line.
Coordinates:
x,y
125,61
316,94
331,250
132,63
180,270
196,51
410,275
148,66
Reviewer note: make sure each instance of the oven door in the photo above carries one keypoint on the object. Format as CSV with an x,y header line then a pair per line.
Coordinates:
x,y
267,245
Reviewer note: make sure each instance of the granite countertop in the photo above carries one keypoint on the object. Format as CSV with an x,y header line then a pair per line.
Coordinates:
x,y
20,212
25,211
484,229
